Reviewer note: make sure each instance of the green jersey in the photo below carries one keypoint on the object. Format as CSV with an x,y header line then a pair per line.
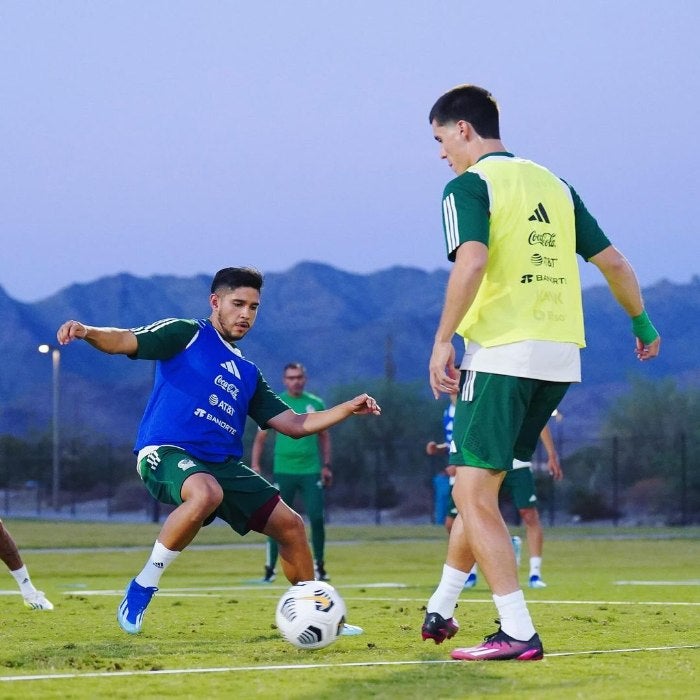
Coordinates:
x,y
298,456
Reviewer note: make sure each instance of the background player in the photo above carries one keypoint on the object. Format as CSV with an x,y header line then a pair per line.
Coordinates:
x,y
299,466
519,483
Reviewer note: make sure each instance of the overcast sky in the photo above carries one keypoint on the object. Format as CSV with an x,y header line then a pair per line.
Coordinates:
x,y
166,137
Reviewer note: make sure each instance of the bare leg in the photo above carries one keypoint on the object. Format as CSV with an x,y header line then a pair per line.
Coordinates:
x,y
287,528
484,531
36,600
476,495
201,496
8,550
533,531
459,551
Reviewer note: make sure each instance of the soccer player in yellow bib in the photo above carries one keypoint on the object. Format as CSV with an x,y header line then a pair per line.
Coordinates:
x,y
513,230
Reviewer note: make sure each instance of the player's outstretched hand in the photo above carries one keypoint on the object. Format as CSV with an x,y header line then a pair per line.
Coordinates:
x,y
647,352
69,331
364,404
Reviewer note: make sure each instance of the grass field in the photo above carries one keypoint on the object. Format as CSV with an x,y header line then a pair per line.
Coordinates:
x,y
620,619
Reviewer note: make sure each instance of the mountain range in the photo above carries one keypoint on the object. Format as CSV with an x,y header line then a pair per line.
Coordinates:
x,y
345,327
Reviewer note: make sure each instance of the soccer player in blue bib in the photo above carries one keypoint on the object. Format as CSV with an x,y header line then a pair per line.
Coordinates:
x,y
189,443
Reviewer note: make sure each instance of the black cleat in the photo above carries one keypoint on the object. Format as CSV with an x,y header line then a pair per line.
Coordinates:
x,y
321,573
437,628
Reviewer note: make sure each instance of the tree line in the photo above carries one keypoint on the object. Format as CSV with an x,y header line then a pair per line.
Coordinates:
x,y
643,465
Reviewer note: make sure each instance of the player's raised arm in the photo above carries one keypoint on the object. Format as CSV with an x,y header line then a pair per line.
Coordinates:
x,y
114,341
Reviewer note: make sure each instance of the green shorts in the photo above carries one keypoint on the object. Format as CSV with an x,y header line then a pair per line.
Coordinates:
x,y
499,417
248,498
520,484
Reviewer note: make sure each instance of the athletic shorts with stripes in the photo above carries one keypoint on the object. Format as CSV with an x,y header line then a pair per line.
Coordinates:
x,y
248,497
499,417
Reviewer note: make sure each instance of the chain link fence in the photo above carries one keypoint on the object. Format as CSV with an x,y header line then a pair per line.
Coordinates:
x,y
616,479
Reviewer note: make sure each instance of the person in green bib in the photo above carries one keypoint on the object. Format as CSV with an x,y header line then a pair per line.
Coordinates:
x,y
299,467
513,231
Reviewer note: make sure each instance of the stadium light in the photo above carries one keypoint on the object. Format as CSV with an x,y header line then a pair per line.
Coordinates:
x,y
45,349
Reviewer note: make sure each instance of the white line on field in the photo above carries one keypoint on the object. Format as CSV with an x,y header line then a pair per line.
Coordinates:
x,y
691,582
207,590
531,601
210,592
300,667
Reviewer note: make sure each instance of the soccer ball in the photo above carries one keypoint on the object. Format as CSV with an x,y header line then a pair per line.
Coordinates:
x,y
310,615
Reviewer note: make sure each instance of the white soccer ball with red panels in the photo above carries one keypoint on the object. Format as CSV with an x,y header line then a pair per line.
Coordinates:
x,y
311,615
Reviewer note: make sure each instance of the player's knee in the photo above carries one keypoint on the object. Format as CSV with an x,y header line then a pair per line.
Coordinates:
x,y
529,516
294,524
478,504
285,525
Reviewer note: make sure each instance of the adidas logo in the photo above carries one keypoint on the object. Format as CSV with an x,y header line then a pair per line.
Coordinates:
x,y
230,366
153,460
540,214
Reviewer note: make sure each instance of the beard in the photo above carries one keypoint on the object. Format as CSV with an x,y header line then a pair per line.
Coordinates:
x,y
229,332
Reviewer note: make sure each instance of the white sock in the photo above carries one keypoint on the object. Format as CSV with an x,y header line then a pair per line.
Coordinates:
x,y
23,580
535,566
444,600
473,570
158,562
514,616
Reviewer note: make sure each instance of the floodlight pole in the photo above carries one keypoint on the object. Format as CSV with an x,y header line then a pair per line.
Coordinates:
x,y
55,438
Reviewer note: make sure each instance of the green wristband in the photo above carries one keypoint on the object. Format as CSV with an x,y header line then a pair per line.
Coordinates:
x,y
644,329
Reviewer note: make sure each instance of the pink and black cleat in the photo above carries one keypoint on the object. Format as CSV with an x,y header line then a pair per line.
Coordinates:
x,y
501,647
437,628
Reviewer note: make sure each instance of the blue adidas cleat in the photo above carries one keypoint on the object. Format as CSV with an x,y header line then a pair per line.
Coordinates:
x,y
351,630
471,580
133,607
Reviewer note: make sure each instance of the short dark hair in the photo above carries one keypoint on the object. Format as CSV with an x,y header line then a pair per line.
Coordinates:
x,y
235,277
295,365
472,104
